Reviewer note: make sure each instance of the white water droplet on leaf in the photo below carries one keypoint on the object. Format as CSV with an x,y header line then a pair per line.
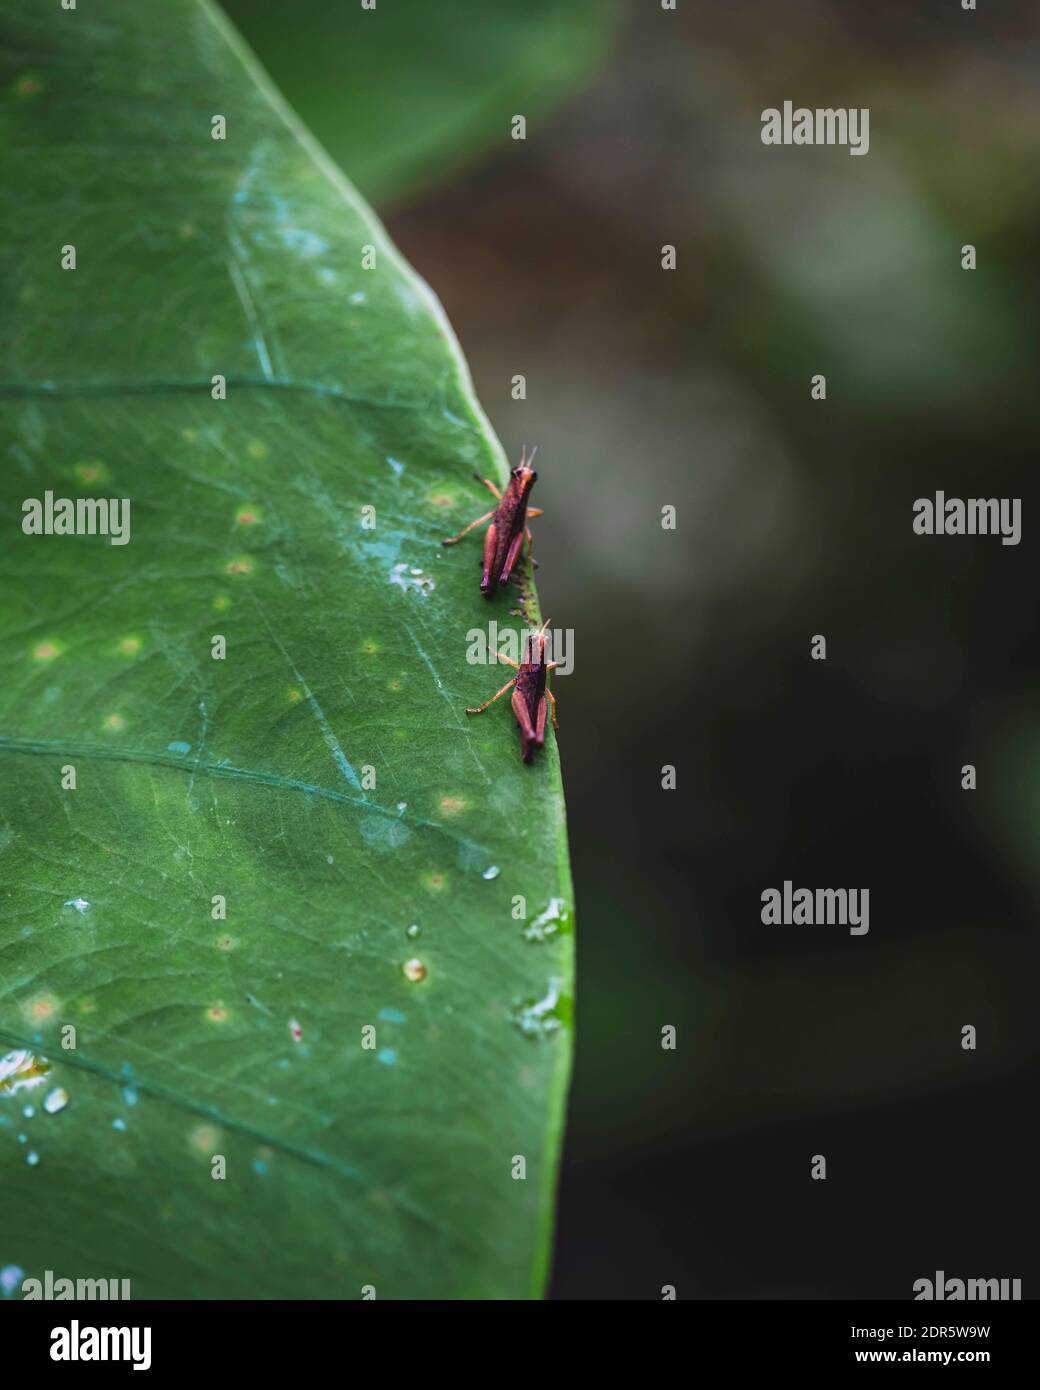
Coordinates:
x,y
56,1100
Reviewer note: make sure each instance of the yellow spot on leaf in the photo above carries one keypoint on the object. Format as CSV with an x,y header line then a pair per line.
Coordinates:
x,y
115,722
453,805
204,1139
414,970
130,646
256,449
92,471
41,1009
243,565
216,1013
247,516
47,651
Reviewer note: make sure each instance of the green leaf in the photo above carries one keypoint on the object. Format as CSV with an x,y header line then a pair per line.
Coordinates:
x,y
405,94
244,778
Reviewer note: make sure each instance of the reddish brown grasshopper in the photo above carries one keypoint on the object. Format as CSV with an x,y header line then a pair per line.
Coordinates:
x,y
509,527
530,694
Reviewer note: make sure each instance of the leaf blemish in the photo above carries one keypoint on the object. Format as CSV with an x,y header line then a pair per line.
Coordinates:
x,y
307,243
89,473
541,1018
414,579
204,1139
55,1101
550,922
382,834
21,1070
42,1008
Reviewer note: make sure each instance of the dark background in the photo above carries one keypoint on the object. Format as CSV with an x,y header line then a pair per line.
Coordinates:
x,y
691,387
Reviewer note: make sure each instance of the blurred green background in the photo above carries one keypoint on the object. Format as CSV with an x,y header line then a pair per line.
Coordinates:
x,y
691,387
